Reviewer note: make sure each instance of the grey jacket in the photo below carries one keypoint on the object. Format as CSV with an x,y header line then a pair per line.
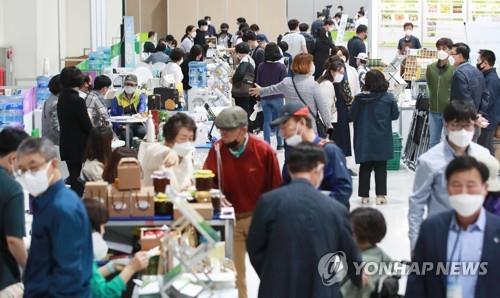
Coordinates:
x,y
50,122
309,91
429,189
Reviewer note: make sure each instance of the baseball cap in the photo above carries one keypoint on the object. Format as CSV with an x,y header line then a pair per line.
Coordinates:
x,y
262,37
231,118
289,110
362,56
130,79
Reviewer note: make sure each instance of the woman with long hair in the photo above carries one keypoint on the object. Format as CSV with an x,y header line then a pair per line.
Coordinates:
x,y
97,153
187,41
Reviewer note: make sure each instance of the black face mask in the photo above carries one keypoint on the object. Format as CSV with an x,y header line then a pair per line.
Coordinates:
x,y
479,66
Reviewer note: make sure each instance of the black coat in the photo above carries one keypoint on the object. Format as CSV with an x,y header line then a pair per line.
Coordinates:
x,y
322,51
293,227
432,247
74,125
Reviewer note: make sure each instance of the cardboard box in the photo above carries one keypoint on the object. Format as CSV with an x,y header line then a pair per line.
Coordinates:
x,y
143,202
119,203
152,240
129,174
97,190
204,209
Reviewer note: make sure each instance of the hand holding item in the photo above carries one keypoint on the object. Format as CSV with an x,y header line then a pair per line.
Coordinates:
x,y
255,91
482,122
172,159
139,262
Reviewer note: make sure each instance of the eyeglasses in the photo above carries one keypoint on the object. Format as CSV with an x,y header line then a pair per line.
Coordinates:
x,y
20,172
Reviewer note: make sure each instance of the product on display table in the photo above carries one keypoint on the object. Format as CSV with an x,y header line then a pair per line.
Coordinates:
x,y
136,203
416,63
128,174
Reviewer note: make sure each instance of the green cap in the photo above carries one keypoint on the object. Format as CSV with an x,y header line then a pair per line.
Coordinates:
x,y
231,118
130,79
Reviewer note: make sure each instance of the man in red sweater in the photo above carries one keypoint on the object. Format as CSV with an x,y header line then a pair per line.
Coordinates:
x,y
248,168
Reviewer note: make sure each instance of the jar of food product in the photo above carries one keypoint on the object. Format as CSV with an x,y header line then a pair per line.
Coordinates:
x,y
160,181
204,180
216,198
163,207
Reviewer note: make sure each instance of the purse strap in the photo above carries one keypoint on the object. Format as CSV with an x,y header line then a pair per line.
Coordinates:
x,y
317,116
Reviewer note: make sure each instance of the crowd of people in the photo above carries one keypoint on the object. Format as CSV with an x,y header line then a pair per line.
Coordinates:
x,y
287,218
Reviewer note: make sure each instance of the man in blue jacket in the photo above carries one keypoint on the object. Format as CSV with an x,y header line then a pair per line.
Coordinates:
x,y
486,63
468,83
296,126
60,256
464,241
296,234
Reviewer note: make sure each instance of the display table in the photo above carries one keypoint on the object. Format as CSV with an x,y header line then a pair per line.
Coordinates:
x,y
226,224
127,121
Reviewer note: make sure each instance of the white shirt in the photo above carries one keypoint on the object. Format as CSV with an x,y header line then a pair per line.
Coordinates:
x,y
328,91
296,42
187,44
174,69
361,21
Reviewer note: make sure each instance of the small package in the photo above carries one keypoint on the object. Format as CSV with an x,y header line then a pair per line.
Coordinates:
x,y
129,174
151,237
119,203
97,190
143,202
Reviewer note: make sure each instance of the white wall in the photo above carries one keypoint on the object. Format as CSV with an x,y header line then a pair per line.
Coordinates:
x,y
77,27
114,19
47,36
305,11
2,25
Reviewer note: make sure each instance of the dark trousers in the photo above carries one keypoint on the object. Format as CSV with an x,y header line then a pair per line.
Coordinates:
x,y
74,169
365,171
486,140
136,130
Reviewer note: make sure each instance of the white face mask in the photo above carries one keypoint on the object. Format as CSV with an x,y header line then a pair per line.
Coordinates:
x,y
193,34
183,149
338,78
295,139
442,55
129,89
465,204
313,70
409,32
209,22
343,58
36,183
451,60
321,176
462,138
99,246
180,62
204,28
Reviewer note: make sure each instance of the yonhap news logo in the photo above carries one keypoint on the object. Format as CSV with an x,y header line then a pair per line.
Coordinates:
x,y
332,268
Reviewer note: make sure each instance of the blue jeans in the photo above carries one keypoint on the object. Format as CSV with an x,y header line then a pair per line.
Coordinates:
x,y
271,108
435,128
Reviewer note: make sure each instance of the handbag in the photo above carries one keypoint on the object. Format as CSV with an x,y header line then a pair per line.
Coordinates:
x,y
320,125
242,88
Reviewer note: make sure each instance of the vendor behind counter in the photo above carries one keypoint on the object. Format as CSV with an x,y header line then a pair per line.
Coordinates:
x,y
175,155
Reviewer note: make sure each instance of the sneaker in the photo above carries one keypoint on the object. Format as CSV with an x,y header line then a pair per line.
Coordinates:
x,y
365,201
381,200
352,173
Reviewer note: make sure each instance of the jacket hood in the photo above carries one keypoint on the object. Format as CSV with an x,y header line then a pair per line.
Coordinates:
x,y
368,97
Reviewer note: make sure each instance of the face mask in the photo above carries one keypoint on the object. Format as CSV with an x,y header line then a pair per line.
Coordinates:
x,y
343,58
204,28
338,78
321,176
442,55
313,70
479,66
408,33
461,138
465,204
129,89
295,139
451,60
37,182
193,34
99,246
209,22
183,149
224,31
180,62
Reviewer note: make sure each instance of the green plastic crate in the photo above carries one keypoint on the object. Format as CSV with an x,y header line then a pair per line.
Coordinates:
x,y
395,163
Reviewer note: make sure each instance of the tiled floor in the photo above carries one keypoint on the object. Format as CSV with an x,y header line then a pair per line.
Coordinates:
x,y
396,243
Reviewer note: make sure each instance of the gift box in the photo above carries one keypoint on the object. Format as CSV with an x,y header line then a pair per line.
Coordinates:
x,y
151,238
129,174
204,209
119,203
143,202
98,190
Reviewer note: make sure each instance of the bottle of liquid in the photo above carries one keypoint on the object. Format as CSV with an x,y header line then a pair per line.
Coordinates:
x,y
150,126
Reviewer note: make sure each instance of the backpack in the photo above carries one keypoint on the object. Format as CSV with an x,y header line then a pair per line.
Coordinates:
x,y
242,88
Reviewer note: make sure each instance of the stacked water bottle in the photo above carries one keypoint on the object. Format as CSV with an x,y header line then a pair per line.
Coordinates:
x,y
42,90
11,111
100,58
